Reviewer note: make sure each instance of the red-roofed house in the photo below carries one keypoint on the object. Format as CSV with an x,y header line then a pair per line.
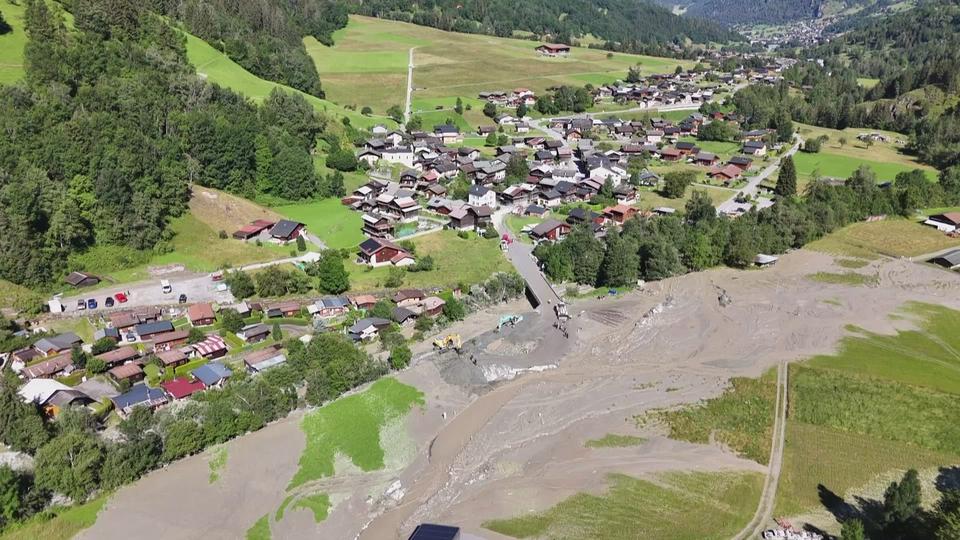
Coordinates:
x,y
182,387
620,213
727,174
254,229
554,49
201,314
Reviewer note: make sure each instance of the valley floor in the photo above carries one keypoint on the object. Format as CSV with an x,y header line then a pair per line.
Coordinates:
x,y
476,451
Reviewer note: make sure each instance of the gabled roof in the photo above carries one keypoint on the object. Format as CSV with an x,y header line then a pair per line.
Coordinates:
x,y
284,228
361,325
125,371
49,366
199,312
138,394
40,390
154,328
119,355
212,373
58,342
182,387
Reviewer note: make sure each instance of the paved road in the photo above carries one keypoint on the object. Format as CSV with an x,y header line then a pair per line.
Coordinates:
x,y
197,287
764,514
731,205
521,256
408,105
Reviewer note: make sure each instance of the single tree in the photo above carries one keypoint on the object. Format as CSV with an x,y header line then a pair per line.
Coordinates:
x,y
458,108
301,243
383,309
901,504
276,332
787,178
852,530
396,113
332,277
490,110
102,345
230,320
400,356
395,277
195,335
69,464
241,284
522,109
78,357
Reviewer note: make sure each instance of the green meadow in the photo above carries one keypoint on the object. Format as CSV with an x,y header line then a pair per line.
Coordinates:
x,y
351,426
12,43
678,506
335,224
834,165
894,237
367,65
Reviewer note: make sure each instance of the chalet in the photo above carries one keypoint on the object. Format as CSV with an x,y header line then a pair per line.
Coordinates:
x,y
448,134
505,119
152,329
127,372
549,198
403,316
57,344
409,177
947,222
123,321
432,306
620,213
706,159
755,135
182,387
367,329
554,49
649,178
403,155
625,194
50,367
119,356
687,148
52,396
252,230
516,196
264,359
581,215
408,297
172,358
377,225
755,148
212,347
285,231
363,301
201,314
212,374
468,218
329,306
670,154
81,279
483,131
741,162
254,333
536,211
381,252
727,174
482,196
288,308
23,356
170,340
550,230
140,395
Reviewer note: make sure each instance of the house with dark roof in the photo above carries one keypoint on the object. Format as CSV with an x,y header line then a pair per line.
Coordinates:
x,y
741,162
212,374
81,279
408,297
950,259
254,333
431,531
52,395
946,222
382,252
755,148
367,329
57,343
286,231
149,330
127,372
329,306
170,340
550,230
140,395
482,196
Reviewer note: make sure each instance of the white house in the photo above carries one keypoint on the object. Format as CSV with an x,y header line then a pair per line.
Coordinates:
x,y
482,196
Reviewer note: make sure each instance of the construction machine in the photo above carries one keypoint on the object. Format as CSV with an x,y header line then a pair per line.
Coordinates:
x,y
450,341
510,320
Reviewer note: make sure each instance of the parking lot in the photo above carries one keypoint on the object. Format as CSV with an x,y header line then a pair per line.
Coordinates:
x,y
198,288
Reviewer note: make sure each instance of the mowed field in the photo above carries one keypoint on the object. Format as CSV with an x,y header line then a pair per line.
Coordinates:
x,y
367,66
840,161
217,68
12,43
882,404
894,237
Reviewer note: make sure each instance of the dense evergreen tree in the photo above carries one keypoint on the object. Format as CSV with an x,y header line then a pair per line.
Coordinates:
x,y
786,178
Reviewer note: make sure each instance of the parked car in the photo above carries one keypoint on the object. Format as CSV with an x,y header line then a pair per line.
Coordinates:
x,y
92,303
131,337
122,298
183,299
108,302
165,286
81,304
217,276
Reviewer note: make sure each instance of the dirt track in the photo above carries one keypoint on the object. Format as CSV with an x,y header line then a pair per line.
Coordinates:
x,y
478,452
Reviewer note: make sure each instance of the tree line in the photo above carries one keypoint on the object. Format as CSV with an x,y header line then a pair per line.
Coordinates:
x,y
110,128
660,247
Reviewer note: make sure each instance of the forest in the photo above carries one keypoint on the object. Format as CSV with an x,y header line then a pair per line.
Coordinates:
x,y
111,126
625,25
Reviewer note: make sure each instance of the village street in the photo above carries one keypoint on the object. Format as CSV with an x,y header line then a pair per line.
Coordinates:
x,y
731,206
521,257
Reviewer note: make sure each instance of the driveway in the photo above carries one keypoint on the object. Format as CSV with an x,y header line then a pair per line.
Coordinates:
x,y
731,206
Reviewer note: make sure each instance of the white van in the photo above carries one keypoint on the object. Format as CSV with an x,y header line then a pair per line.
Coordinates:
x,y
165,286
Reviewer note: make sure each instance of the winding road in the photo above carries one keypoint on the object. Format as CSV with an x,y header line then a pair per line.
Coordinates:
x,y
764,513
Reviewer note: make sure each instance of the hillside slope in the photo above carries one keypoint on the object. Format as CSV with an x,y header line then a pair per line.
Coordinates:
x,y
631,25
776,12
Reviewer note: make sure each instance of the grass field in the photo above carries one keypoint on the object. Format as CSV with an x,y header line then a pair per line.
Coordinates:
x,y
80,326
318,504
893,236
12,43
675,506
219,69
882,402
516,224
223,211
844,278
334,223
839,161
613,440
455,260
741,418
17,296
351,427
65,523
368,64
260,530
652,199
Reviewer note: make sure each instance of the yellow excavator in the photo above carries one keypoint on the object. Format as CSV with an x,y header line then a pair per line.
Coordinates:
x,y
450,341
